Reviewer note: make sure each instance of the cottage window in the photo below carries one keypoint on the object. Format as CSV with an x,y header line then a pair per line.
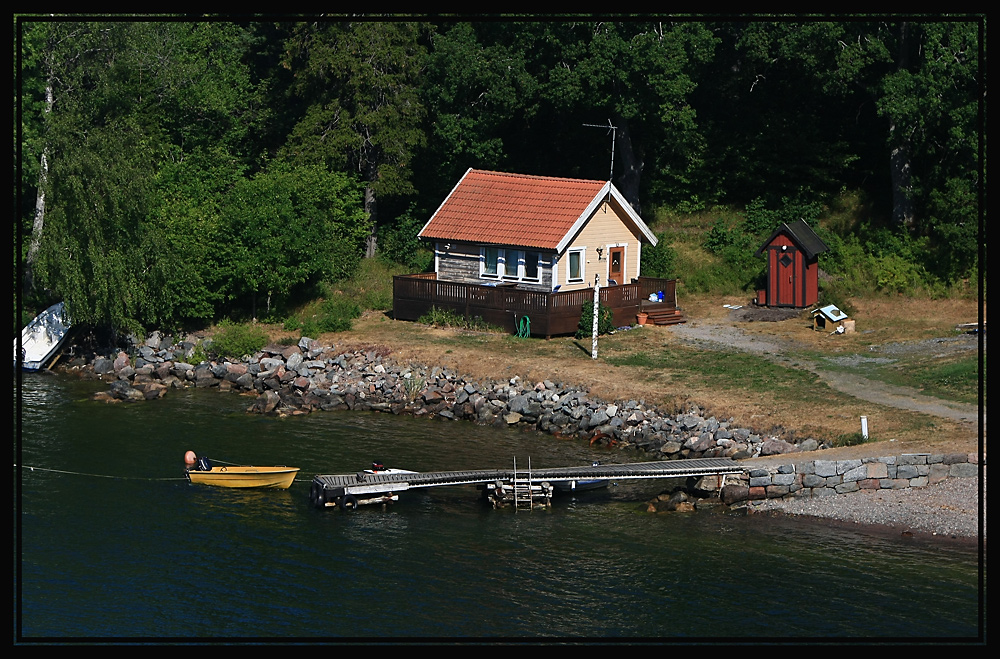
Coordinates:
x,y
575,273
492,262
530,267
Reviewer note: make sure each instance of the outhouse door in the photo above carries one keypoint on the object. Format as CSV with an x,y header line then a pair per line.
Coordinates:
x,y
784,282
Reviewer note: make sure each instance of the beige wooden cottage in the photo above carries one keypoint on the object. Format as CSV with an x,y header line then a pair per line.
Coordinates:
x,y
535,234
539,232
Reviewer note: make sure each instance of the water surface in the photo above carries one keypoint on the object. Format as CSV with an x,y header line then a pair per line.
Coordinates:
x,y
115,544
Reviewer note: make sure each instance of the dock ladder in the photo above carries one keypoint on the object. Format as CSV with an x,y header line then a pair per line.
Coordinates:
x,y
525,490
522,487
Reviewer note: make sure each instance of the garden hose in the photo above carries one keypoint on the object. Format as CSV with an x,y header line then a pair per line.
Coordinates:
x,y
524,327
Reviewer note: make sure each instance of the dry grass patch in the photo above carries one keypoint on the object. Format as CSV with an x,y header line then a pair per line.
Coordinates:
x,y
653,365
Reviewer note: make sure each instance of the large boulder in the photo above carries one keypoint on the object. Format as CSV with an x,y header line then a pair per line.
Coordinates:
x,y
123,390
734,493
775,446
266,403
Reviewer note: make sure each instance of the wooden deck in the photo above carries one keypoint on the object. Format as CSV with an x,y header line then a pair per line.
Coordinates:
x,y
549,314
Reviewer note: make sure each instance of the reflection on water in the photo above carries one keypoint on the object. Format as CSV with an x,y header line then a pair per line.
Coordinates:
x,y
119,544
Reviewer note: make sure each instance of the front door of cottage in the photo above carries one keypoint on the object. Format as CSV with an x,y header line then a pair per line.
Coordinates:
x,y
616,265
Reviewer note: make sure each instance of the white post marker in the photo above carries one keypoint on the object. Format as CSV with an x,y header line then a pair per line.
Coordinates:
x,y
597,306
864,427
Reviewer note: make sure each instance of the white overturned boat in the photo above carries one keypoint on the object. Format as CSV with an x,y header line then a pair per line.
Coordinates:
x,y
42,337
379,468
581,485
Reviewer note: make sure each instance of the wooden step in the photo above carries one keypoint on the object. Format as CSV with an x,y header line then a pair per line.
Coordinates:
x,y
666,317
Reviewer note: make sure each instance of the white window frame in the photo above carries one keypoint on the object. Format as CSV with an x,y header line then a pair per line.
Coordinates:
x,y
511,264
607,268
582,251
501,263
522,266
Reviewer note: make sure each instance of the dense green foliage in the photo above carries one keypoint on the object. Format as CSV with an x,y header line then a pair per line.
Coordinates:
x,y
285,227
178,172
234,340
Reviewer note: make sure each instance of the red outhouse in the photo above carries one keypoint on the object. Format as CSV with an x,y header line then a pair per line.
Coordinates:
x,y
792,268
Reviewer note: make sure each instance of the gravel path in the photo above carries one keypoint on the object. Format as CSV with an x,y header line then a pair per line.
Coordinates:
x,y
949,508
712,335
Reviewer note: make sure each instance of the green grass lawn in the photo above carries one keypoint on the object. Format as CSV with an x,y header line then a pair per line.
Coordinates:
x,y
954,378
724,370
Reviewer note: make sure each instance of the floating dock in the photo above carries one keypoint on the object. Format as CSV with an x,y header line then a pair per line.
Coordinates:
x,y
520,487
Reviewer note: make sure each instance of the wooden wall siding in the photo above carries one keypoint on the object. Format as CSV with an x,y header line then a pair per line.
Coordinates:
x,y
604,228
460,263
550,314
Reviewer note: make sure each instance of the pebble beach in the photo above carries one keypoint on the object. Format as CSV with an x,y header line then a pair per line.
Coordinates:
x,y
950,508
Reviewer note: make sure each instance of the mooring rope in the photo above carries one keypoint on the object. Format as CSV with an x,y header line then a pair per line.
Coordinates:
x,y
81,473
124,478
130,478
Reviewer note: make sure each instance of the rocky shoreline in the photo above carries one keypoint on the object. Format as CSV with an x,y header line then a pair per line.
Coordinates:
x,y
310,376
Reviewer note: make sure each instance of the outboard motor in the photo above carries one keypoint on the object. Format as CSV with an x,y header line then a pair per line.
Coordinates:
x,y
204,464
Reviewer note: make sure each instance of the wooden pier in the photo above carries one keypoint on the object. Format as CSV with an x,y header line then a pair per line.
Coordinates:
x,y
518,487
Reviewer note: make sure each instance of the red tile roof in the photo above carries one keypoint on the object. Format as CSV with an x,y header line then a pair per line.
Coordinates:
x,y
512,209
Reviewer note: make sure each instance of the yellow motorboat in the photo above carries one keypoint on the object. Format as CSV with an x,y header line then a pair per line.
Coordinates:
x,y
231,476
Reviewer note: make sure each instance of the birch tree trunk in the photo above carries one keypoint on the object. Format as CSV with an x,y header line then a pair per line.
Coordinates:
x,y
899,165
38,224
899,158
371,208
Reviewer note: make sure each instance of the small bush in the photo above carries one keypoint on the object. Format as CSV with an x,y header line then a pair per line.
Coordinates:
x,y
659,260
235,340
442,318
198,355
448,318
834,293
852,439
398,242
605,320
413,386
335,314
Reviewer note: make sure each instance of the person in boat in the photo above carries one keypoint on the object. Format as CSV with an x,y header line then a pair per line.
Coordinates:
x,y
377,467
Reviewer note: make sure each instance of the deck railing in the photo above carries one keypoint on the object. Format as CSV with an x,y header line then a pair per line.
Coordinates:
x,y
549,314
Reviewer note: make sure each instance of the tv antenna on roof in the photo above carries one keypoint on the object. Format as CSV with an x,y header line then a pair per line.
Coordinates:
x,y
611,129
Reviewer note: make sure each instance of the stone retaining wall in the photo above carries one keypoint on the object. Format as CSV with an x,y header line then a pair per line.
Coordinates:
x,y
820,478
